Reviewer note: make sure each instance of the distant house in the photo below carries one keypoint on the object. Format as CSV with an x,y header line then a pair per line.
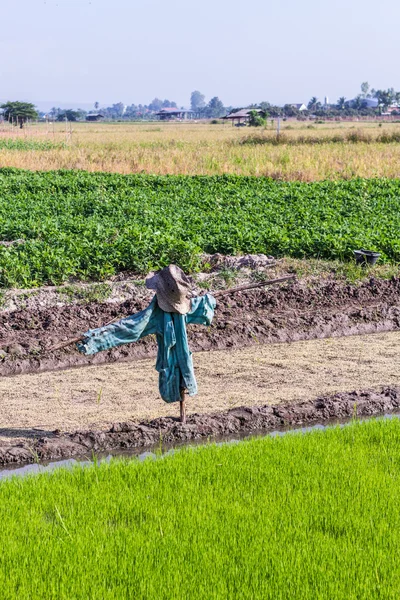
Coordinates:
x,y
393,109
94,117
241,116
170,114
299,106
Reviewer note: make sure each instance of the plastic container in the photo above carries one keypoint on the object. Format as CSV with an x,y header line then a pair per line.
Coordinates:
x,y
366,257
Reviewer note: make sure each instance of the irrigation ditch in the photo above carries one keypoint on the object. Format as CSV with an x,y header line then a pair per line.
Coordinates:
x,y
168,432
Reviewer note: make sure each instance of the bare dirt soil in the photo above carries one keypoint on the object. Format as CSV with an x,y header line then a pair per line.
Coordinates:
x,y
289,313
95,397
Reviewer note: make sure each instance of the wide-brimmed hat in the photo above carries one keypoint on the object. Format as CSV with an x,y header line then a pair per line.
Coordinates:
x,y
173,289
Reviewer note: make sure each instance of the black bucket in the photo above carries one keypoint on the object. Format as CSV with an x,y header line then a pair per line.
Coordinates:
x,y
366,257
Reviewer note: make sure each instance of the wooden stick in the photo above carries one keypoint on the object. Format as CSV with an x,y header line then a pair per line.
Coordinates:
x,y
242,288
79,338
182,405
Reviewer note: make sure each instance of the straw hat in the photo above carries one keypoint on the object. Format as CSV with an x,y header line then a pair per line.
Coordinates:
x,y
173,289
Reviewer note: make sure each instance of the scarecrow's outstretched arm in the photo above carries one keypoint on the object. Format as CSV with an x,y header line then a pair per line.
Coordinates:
x,y
122,332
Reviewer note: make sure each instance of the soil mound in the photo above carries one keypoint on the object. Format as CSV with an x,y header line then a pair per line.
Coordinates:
x,y
242,420
289,313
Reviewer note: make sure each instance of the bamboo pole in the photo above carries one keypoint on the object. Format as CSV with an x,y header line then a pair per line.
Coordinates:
x,y
78,338
252,286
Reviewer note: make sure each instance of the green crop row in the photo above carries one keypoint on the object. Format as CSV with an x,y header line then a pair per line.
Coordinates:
x,y
29,144
298,517
92,225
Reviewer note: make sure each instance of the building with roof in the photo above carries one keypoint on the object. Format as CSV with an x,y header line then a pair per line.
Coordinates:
x,y
242,116
94,117
171,114
365,102
299,106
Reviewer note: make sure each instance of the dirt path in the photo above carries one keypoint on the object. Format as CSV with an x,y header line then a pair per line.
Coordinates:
x,y
96,396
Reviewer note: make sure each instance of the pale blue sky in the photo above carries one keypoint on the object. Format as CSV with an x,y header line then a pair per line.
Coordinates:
x,y
80,51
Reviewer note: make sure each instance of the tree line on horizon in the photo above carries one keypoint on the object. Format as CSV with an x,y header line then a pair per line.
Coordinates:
x,y
20,112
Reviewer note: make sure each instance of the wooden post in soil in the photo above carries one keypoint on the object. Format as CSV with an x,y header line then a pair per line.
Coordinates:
x,y
182,405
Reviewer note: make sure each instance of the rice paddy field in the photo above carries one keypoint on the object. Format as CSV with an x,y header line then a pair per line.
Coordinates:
x,y
302,516
308,151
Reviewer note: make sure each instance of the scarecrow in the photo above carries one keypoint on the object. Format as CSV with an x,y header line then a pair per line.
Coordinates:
x,y
172,307
167,315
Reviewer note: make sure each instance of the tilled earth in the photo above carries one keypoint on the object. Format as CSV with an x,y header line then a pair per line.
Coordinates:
x,y
291,312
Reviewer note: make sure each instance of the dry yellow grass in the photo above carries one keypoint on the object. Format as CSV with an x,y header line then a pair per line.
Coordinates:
x,y
199,148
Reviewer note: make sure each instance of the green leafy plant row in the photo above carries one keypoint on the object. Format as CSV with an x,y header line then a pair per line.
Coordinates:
x,y
91,225
29,144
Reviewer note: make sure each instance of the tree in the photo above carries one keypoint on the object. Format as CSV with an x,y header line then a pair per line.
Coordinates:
x,y
214,108
19,112
69,115
197,101
365,89
291,111
168,104
341,103
358,103
54,112
256,119
385,98
96,105
156,105
270,110
312,105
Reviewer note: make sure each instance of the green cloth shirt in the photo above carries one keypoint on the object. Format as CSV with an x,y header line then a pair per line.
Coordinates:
x,y
174,359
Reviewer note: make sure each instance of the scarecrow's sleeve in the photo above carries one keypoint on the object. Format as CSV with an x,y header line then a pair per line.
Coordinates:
x,y
202,310
124,331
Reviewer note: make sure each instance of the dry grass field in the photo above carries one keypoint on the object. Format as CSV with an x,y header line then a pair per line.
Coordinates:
x,y
308,151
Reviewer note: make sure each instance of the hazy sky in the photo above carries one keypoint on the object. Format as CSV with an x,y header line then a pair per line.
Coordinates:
x,y
80,51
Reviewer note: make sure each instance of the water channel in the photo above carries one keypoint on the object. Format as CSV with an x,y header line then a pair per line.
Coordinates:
x,y
47,467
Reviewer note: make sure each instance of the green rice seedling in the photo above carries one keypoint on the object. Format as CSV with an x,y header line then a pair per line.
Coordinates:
x,y
302,516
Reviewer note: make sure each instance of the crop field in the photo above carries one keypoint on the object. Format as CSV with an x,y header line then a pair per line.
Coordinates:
x,y
90,226
300,516
308,151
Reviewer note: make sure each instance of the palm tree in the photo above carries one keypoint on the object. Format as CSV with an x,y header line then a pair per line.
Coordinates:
x,y
312,104
341,103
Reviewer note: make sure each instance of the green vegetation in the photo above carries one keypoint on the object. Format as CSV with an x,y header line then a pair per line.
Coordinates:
x,y
84,225
348,137
302,516
96,292
29,144
19,112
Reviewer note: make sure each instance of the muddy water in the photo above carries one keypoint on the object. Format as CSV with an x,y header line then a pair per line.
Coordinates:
x,y
49,467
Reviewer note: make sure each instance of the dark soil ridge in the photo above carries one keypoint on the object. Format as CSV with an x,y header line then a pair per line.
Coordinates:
x,y
237,421
289,313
